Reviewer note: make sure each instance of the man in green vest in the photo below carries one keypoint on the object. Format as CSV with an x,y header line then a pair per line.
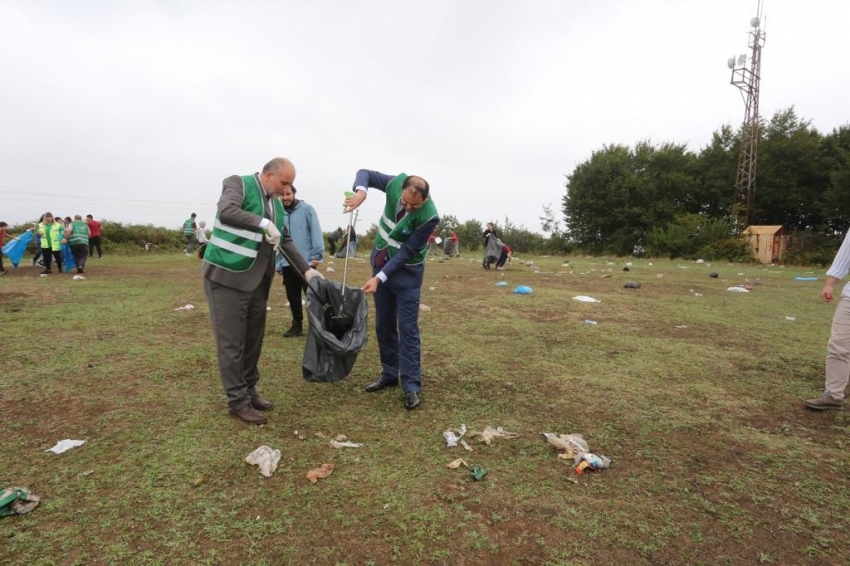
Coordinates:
x,y
77,235
51,232
189,229
238,270
397,260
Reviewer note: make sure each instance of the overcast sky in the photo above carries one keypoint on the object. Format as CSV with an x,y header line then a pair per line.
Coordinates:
x,y
134,111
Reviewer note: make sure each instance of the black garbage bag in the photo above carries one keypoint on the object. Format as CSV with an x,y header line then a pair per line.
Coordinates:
x,y
338,331
492,251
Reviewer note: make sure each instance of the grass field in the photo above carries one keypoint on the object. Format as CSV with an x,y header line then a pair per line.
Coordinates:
x,y
694,392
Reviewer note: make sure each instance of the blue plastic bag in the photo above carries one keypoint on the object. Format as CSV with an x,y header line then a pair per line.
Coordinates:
x,y
523,290
15,249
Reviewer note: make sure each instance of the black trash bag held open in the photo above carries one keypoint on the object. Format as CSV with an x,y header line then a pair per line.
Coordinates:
x,y
338,331
492,251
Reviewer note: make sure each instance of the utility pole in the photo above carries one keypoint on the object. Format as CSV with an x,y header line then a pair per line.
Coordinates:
x,y
747,80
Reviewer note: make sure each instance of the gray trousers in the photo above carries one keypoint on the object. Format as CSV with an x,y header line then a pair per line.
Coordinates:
x,y
838,351
239,325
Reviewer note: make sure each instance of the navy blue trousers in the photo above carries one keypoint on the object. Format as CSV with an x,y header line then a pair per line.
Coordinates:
x,y
397,326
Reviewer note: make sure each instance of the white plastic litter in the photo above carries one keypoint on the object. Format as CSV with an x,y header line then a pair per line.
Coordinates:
x,y
341,441
268,309
266,458
586,299
572,444
329,269
65,445
431,288
187,307
78,277
700,261
489,433
424,308
451,438
738,290
791,318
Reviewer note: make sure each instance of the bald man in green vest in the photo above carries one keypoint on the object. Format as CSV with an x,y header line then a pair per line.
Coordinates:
x,y
408,219
238,271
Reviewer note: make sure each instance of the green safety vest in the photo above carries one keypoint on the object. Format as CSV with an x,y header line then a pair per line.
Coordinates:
x,y
391,235
79,233
235,249
188,226
51,236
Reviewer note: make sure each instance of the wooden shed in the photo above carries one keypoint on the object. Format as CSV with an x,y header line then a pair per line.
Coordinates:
x,y
768,242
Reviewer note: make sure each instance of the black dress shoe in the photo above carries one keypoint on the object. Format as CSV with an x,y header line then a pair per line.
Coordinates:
x,y
378,385
261,404
411,400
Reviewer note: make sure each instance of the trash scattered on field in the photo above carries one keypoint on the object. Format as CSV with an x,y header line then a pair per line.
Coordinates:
x,y
591,322
432,288
806,278
791,318
17,501
265,458
489,433
523,290
681,327
329,269
341,441
320,473
631,285
575,448
187,307
303,302
501,284
477,472
626,268
714,275
453,436
455,464
78,278
700,261
424,308
268,309
65,445
660,276
586,299
738,290
42,275
591,462
466,445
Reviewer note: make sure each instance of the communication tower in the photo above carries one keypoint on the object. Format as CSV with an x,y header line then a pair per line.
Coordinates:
x,y
747,78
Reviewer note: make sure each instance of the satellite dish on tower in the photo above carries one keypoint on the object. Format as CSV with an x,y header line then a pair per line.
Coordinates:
x,y
742,60
755,22
731,63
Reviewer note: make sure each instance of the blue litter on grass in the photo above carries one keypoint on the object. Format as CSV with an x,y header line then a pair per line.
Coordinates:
x,y
502,284
523,290
806,278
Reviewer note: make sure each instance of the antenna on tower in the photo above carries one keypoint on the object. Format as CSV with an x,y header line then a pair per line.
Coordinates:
x,y
748,79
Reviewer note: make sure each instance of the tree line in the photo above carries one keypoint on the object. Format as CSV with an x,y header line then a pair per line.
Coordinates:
x,y
664,200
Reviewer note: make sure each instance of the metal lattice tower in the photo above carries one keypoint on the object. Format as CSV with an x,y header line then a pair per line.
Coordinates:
x,y
747,79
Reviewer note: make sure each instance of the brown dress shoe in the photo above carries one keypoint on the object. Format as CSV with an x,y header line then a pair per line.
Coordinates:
x,y
250,415
261,404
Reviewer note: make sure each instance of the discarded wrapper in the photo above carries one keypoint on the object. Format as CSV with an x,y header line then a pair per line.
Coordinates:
x,y
266,458
17,500
477,472
320,473
489,433
64,445
455,464
341,441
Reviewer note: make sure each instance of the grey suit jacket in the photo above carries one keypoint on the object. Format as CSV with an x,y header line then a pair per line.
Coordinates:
x,y
230,212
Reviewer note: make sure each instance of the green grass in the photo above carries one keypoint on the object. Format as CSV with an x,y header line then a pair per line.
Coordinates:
x,y
715,460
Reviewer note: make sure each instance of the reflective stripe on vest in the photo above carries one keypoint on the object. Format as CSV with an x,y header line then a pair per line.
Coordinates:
x,y
391,234
236,249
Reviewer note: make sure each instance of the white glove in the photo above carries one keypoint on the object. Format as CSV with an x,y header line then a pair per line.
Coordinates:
x,y
272,234
311,274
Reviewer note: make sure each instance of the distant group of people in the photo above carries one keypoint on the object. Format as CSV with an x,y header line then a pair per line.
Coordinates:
x,y
195,232
450,246
51,233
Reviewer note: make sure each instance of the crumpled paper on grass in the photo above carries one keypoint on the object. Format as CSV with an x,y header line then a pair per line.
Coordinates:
x,y
320,473
266,458
455,464
572,444
185,308
453,436
489,433
586,299
341,441
65,445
